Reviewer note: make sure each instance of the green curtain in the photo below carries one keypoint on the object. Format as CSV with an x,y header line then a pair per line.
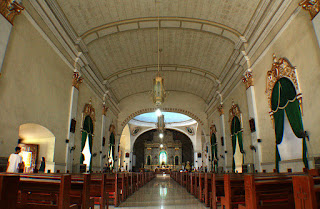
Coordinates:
x,y
87,130
112,147
284,101
214,151
236,133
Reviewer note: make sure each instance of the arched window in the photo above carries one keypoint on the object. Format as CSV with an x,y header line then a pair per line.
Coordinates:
x,y
86,142
148,160
163,158
286,113
176,160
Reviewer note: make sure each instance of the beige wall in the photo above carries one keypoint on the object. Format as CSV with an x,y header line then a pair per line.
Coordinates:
x,y
35,88
297,43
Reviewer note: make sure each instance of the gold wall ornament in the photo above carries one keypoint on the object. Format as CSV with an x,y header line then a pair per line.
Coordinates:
x,y
10,9
220,109
213,129
313,6
76,80
234,111
89,111
248,79
281,68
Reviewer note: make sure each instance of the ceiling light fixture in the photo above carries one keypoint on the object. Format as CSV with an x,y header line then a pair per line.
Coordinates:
x,y
158,112
161,145
159,93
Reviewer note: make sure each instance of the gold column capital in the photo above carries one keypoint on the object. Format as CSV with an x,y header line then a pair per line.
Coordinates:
x,y
248,79
220,109
313,6
10,9
76,80
104,109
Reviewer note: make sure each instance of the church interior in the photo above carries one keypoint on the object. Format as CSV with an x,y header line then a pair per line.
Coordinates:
x,y
160,99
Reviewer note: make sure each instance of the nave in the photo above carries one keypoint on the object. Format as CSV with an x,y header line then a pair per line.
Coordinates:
x,y
164,193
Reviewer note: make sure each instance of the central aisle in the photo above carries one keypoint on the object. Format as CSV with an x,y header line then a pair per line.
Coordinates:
x,y
163,193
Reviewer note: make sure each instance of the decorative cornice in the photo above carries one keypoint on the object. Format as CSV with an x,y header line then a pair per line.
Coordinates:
x,y
313,6
234,111
10,9
220,109
178,110
248,79
76,80
280,69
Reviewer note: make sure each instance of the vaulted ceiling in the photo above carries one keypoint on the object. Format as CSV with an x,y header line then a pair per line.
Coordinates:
x,y
200,41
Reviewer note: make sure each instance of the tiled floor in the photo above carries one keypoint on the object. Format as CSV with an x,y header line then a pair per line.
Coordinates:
x,y
162,193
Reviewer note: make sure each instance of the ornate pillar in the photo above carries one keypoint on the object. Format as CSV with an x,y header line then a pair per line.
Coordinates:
x,y
313,7
9,9
117,158
253,119
103,151
223,135
76,81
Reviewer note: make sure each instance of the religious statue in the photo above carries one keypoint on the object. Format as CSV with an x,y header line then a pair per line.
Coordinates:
x,y
188,167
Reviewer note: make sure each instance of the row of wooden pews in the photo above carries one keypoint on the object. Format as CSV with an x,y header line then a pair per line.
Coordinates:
x,y
68,191
254,191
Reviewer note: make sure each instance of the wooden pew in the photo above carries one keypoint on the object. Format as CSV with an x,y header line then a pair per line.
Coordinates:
x,y
201,186
98,190
306,192
233,191
9,186
268,191
58,187
217,188
207,189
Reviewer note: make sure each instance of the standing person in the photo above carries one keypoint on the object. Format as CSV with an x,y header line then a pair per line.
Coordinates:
x,y
15,162
42,165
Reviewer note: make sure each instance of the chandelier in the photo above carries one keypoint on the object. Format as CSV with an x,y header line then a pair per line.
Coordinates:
x,y
159,93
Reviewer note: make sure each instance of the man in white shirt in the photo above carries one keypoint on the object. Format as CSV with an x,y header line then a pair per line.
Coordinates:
x,y
15,162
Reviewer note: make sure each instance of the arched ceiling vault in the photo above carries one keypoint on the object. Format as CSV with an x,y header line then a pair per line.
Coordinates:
x,y
198,38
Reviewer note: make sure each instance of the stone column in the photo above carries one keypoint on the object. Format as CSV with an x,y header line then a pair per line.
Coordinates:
x,y
223,134
103,135
253,116
8,11
76,81
116,147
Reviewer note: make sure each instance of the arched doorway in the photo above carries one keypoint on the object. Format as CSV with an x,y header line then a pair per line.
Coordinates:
x,y
36,142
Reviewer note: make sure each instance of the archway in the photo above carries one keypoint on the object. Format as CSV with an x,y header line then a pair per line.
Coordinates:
x,y
86,143
177,147
36,142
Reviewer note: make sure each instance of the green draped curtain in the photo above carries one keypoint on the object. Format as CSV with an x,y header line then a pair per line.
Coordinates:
x,y
284,101
214,151
87,130
112,147
236,133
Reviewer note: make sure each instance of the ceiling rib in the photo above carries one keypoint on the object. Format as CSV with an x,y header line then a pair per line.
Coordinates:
x,y
138,69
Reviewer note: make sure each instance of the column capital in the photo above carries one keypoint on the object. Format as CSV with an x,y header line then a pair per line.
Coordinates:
x,y
313,6
104,109
248,79
76,80
220,109
10,9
